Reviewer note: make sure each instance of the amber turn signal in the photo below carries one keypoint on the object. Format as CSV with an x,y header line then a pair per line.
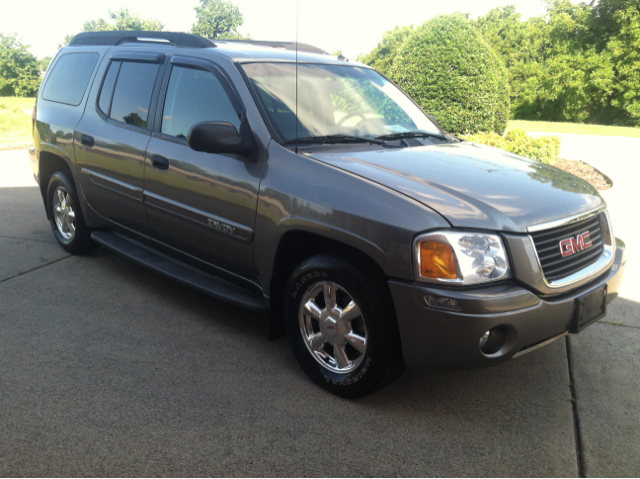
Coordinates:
x,y
437,260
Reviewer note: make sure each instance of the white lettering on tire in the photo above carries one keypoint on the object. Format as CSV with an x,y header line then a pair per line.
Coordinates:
x,y
354,379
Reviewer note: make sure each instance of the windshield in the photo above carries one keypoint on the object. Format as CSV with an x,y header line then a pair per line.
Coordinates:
x,y
334,100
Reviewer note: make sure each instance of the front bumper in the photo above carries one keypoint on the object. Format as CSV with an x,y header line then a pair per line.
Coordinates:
x,y
433,337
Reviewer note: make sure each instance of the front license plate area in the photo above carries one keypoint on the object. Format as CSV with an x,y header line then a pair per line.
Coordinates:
x,y
589,308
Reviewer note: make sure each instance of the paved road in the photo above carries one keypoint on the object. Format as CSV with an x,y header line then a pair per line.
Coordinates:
x,y
107,369
606,358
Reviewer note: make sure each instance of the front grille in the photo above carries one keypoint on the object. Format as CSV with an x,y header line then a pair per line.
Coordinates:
x,y
547,243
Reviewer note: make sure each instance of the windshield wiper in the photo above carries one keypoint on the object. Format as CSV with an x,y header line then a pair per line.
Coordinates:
x,y
336,139
411,134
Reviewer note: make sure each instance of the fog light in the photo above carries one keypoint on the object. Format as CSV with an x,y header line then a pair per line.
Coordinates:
x,y
484,339
442,302
493,340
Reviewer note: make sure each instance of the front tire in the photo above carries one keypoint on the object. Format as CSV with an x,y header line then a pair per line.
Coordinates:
x,y
341,326
66,217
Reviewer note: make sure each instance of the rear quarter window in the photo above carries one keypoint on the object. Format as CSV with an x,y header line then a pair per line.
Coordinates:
x,y
68,81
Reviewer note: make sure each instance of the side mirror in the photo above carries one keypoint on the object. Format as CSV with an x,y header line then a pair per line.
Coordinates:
x,y
221,137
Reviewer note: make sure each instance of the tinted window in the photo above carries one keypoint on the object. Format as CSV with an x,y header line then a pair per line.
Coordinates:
x,y
106,93
194,96
70,77
132,94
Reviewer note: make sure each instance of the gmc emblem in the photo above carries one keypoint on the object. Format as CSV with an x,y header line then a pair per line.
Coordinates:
x,y
570,246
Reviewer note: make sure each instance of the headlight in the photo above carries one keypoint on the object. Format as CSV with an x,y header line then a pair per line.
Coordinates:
x,y
459,257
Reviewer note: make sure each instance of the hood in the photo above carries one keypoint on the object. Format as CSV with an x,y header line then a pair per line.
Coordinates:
x,y
474,186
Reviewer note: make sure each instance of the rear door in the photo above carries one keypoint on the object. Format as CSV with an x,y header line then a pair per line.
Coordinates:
x,y
201,203
112,136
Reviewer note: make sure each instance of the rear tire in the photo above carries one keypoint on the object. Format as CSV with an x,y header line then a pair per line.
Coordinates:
x,y
342,327
66,217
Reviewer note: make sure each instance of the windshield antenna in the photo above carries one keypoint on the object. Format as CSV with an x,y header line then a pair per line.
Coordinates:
x,y
297,24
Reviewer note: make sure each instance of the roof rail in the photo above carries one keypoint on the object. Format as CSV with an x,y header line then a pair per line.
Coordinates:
x,y
303,47
134,36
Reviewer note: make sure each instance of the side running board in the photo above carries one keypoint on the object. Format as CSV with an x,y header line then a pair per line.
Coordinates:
x,y
182,272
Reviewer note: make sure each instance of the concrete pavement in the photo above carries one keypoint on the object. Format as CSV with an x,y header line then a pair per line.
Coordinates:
x,y
605,358
109,369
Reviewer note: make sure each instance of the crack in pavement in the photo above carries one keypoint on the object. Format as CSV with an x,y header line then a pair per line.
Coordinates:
x,y
36,268
620,325
574,408
27,239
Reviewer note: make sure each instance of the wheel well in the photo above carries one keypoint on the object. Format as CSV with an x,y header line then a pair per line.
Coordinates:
x,y
49,164
296,246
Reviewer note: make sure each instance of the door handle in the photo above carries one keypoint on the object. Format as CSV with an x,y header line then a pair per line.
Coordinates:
x,y
87,140
160,162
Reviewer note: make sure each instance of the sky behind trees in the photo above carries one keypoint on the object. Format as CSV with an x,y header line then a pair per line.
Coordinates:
x,y
354,26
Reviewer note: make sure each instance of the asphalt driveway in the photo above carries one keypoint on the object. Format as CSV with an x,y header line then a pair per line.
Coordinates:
x,y
107,369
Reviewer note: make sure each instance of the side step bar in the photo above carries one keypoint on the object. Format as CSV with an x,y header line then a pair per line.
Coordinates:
x,y
184,273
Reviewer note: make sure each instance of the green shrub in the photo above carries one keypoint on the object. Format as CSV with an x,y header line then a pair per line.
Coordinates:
x,y
381,57
544,149
491,139
449,69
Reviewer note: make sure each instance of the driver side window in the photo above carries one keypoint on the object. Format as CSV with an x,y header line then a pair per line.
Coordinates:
x,y
194,96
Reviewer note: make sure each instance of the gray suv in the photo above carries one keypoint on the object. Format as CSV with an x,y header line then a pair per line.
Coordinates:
x,y
285,180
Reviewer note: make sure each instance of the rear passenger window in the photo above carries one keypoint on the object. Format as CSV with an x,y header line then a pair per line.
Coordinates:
x,y
194,96
70,77
128,102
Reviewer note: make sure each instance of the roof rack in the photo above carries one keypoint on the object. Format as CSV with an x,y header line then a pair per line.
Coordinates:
x,y
303,47
134,36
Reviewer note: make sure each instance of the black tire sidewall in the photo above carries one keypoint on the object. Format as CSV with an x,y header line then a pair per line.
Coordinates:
x,y
379,354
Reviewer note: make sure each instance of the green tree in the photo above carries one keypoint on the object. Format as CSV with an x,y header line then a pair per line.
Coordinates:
x,y
578,63
520,45
121,20
451,71
624,49
218,19
19,72
576,82
67,39
127,20
44,63
381,57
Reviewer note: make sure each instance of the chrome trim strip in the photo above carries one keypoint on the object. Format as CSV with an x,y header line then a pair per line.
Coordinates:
x,y
565,221
604,262
539,345
157,40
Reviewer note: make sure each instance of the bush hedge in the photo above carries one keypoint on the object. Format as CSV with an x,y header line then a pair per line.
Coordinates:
x,y
449,69
544,149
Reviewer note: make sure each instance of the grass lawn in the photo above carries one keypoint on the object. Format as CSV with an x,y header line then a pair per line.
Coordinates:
x,y
15,124
576,128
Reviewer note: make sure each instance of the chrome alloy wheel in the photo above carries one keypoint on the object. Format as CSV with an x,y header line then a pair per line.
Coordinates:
x,y
333,327
63,213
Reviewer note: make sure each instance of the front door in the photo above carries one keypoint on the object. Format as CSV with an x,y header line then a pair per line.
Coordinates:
x,y
201,203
